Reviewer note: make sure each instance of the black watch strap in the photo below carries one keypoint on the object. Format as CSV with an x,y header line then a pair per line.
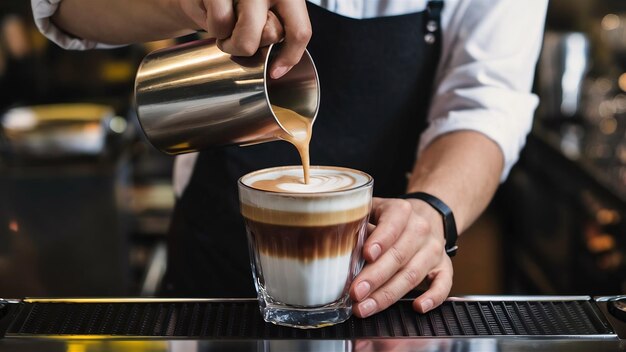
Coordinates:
x,y
449,225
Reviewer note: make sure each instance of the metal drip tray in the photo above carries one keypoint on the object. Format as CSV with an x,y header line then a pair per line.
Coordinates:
x,y
240,319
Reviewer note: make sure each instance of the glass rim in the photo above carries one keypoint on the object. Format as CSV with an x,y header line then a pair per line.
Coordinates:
x,y
368,184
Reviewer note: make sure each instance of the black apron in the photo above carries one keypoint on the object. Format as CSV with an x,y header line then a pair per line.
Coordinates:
x,y
376,78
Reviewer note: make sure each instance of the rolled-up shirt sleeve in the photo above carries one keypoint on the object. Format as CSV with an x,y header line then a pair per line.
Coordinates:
x,y
486,71
42,11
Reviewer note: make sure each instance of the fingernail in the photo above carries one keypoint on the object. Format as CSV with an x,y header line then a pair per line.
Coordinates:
x,y
427,305
279,71
367,307
375,251
362,289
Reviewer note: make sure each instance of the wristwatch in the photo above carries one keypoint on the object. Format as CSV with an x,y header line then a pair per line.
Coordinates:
x,y
449,225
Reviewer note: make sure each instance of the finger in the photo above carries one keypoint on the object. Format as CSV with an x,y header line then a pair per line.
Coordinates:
x,y
295,19
402,282
273,31
220,17
376,274
376,203
196,11
438,291
246,36
391,218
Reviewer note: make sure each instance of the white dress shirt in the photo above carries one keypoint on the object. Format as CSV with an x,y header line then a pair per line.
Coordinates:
x,y
483,81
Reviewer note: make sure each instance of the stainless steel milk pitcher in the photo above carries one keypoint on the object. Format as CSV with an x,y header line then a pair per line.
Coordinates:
x,y
193,96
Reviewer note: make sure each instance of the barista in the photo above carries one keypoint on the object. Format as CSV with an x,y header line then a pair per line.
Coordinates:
x,y
422,95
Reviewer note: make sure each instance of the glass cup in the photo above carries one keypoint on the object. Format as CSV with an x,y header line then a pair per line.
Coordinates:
x,y
305,248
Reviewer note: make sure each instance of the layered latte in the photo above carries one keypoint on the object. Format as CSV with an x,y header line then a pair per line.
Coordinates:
x,y
306,238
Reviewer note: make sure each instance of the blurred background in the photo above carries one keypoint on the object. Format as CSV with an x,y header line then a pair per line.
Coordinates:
x,y
85,200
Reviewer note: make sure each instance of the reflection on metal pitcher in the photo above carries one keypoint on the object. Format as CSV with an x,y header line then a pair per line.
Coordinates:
x,y
194,96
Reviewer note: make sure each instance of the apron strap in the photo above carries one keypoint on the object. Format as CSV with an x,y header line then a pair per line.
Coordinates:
x,y
432,23
432,33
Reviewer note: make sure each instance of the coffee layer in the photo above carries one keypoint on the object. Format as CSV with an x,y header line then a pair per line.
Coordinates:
x,y
306,243
304,219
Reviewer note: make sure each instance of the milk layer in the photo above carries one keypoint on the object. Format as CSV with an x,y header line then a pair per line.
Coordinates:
x,y
311,283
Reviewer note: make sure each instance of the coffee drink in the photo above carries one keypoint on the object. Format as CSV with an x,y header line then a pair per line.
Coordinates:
x,y
305,239
306,228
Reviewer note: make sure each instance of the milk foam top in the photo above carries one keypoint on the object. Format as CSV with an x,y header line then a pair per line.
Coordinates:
x,y
330,190
290,179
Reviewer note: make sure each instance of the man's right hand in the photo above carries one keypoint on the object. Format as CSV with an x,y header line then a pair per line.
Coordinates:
x,y
242,26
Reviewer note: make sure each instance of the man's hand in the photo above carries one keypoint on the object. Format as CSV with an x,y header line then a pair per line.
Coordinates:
x,y
242,26
405,247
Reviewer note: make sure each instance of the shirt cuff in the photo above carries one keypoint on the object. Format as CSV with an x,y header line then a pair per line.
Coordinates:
x,y
43,10
508,130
